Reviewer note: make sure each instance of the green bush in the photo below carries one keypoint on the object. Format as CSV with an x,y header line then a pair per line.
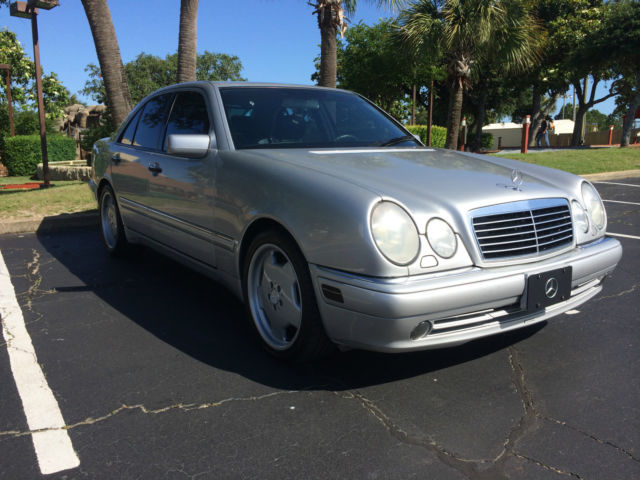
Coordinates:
x,y
438,134
27,122
22,152
92,135
486,141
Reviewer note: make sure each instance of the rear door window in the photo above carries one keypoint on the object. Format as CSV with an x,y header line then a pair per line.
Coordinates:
x,y
151,125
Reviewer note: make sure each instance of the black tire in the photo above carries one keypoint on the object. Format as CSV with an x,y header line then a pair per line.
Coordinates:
x,y
111,223
280,300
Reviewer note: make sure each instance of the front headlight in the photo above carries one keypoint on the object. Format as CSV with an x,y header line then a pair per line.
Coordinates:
x,y
395,233
441,238
580,219
594,205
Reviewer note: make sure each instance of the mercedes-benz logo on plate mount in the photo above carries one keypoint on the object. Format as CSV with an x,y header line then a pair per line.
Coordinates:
x,y
551,287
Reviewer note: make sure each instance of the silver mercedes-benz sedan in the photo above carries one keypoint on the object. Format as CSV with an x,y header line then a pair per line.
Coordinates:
x,y
337,227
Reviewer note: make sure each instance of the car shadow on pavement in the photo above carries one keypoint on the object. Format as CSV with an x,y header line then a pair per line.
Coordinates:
x,y
203,320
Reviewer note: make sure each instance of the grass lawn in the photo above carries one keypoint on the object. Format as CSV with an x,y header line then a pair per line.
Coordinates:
x,y
64,197
584,161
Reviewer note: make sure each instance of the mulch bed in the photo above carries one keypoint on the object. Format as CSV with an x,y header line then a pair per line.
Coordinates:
x,y
22,186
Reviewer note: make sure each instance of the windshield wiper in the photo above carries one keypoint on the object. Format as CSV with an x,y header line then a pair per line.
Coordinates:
x,y
395,141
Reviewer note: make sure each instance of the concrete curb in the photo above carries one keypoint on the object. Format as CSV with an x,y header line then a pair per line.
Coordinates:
x,y
90,219
594,177
51,224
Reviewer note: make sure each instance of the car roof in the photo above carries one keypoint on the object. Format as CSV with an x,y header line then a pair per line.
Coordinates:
x,y
236,84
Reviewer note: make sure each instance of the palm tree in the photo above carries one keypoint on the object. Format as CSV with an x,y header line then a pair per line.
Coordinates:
x,y
331,20
471,33
187,41
108,51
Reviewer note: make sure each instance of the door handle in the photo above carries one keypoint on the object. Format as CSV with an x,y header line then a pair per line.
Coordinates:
x,y
116,158
154,167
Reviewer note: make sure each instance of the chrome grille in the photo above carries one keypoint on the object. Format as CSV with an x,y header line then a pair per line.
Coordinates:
x,y
526,228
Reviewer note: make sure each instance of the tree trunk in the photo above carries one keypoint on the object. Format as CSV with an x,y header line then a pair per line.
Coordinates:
x,y
536,115
631,114
328,51
187,41
106,43
578,138
481,111
453,116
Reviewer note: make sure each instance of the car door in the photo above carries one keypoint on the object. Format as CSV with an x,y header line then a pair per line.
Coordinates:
x,y
133,153
182,189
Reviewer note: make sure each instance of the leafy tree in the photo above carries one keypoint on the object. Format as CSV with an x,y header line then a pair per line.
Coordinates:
x,y
597,119
373,63
589,58
468,33
331,21
147,73
514,49
565,112
187,41
621,27
23,84
117,93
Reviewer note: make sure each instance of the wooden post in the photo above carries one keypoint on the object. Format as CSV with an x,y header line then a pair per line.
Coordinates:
x,y
430,114
413,107
524,146
610,134
43,125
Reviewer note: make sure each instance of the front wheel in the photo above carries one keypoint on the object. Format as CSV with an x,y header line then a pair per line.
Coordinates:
x,y
280,299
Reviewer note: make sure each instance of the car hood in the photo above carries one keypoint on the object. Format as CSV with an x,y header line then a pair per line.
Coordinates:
x,y
432,181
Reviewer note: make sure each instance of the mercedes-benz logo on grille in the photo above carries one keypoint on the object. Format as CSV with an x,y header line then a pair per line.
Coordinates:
x,y
551,287
516,177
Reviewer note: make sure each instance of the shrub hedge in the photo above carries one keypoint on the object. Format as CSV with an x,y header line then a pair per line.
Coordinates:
x,y
486,141
438,134
22,152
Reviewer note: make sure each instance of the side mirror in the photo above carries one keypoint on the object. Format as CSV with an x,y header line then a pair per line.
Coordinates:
x,y
192,146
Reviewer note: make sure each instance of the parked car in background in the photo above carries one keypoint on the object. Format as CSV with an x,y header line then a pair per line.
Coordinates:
x,y
337,227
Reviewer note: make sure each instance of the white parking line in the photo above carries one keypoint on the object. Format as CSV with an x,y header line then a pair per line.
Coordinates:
x,y
623,235
51,441
621,184
619,201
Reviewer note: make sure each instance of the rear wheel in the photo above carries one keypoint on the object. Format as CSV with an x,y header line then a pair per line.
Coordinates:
x,y
280,299
111,223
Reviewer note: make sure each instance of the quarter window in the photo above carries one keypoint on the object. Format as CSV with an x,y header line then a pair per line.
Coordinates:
x,y
127,136
152,122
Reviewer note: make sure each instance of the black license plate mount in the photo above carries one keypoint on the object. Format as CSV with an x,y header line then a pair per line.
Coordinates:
x,y
548,288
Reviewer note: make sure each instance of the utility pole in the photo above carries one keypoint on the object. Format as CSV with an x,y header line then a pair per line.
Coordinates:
x,y
30,10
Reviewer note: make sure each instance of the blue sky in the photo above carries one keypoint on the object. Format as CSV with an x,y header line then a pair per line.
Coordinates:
x,y
276,40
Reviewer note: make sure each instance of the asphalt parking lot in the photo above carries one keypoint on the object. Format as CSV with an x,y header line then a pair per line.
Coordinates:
x,y
156,374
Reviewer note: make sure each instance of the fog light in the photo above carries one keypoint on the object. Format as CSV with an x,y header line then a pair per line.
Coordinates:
x,y
422,330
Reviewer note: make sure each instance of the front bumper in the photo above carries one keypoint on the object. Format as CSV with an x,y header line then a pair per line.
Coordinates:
x,y
462,305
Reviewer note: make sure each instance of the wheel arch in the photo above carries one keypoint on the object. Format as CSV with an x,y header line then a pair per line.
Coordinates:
x,y
253,230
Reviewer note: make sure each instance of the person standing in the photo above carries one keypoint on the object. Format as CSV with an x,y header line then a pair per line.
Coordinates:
x,y
543,132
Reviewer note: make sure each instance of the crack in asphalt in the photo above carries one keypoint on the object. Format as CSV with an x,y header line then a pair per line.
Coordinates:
x,y
484,469
619,294
593,437
154,411
547,467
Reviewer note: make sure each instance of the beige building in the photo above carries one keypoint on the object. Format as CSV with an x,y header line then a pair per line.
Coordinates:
x,y
509,135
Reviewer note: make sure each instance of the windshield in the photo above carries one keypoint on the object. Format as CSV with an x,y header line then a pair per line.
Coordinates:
x,y
280,117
